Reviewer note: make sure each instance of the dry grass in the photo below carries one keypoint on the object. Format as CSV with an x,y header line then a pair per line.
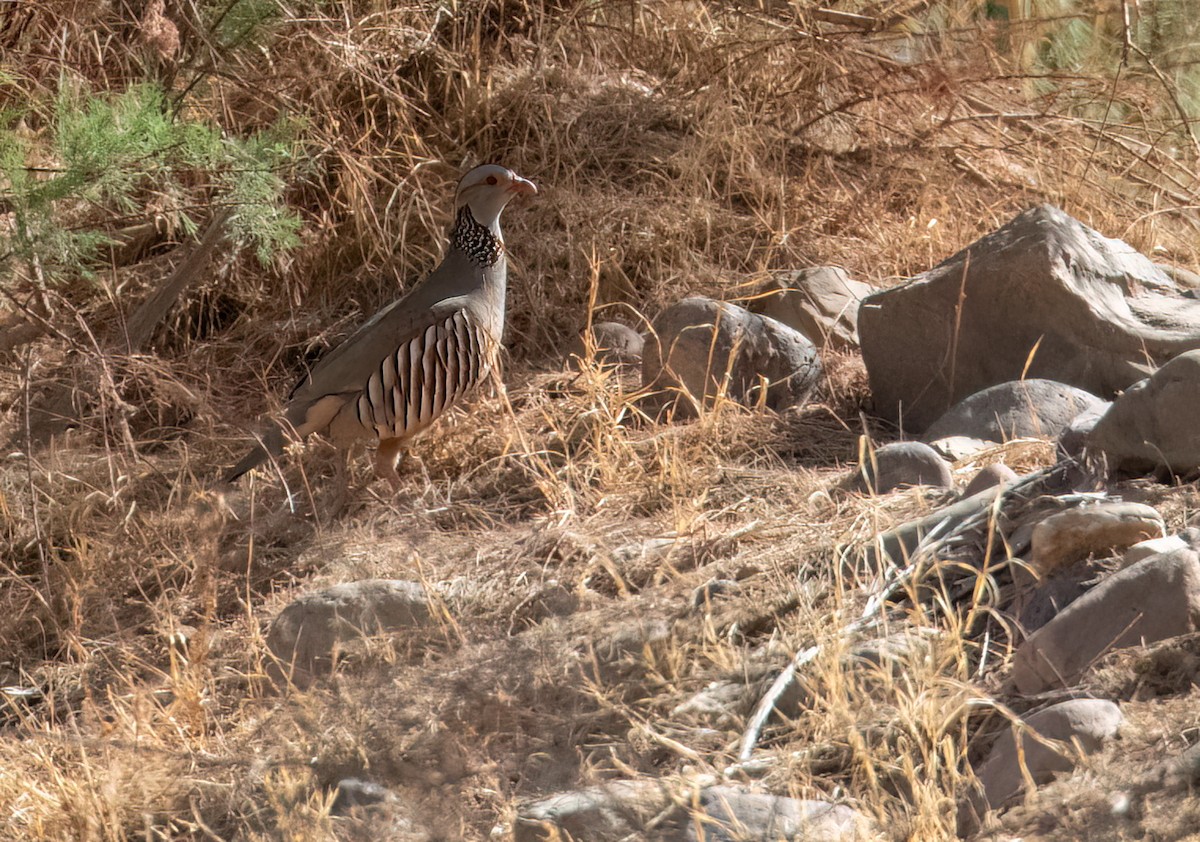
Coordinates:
x,y
681,147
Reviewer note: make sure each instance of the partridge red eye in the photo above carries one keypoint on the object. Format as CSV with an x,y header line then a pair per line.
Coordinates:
x,y
491,179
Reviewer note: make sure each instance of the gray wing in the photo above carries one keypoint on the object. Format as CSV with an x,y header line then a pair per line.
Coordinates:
x,y
347,367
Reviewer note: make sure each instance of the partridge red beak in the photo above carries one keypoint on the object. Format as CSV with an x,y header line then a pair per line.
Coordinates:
x,y
522,186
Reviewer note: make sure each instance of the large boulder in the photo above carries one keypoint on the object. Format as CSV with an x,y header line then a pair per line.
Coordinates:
x,y
821,302
1154,423
1044,296
1017,409
702,347
1082,723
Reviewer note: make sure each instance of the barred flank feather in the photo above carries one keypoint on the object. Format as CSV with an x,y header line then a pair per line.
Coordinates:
x,y
425,377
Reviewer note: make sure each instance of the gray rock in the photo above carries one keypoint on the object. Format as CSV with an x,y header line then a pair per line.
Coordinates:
x,y
902,464
1094,308
1078,724
1016,409
729,814
1073,439
821,302
613,342
712,346
1151,547
309,632
990,476
1154,423
1075,534
355,792
606,813
1152,600
713,590
1046,597
721,703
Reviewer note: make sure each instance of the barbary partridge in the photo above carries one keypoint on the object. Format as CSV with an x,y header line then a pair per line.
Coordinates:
x,y
419,356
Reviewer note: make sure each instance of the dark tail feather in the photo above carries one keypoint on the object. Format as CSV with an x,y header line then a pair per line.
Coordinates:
x,y
269,445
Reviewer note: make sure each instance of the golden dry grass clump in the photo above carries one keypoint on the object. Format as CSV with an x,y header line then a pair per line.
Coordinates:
x,y
680,147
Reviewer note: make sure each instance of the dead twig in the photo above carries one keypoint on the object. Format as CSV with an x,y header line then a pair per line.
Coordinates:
x,y
145,319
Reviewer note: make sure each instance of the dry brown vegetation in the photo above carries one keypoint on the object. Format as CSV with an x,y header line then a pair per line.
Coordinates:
x,y
681,147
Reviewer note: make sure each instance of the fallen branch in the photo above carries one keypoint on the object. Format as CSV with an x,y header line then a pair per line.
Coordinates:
x,y
142,323
940,535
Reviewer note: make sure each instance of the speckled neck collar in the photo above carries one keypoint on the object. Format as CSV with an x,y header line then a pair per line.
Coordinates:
x,y
474,240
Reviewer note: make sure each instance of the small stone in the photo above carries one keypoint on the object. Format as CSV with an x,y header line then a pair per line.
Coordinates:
x,y
309,632
1067,537
990,476
606,813
1154,599
1015,409
730,814
703,348
614,344
904,464
713,590
1086,723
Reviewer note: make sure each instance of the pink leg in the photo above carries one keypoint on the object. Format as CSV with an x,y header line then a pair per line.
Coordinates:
x,y
387,458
